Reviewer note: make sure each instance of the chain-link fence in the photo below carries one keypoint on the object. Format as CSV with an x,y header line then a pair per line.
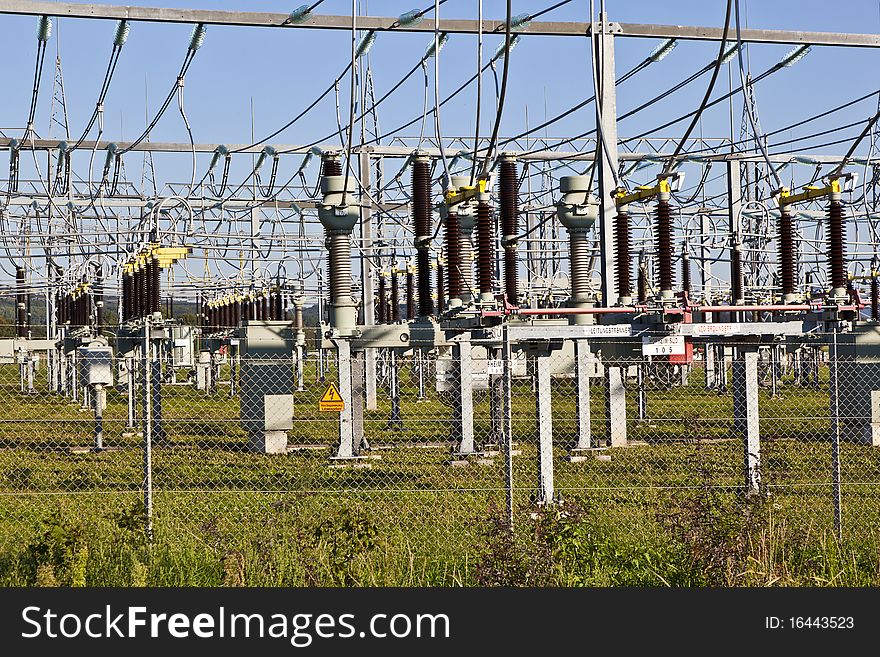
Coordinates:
x,y
233,454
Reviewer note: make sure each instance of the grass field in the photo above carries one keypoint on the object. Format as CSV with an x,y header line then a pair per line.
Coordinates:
x,y
648,513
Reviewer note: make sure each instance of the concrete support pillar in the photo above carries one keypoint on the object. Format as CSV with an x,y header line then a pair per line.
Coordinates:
x,y
582,380
544,412
746,418
396,420
346,446
615,406
357,401
464,397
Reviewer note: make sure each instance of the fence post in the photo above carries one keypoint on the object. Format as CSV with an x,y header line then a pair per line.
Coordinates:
x,y
835,441
148,436
543,399
747,414
508,424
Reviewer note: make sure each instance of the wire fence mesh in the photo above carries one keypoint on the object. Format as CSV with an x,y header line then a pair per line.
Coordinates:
x,y
240,453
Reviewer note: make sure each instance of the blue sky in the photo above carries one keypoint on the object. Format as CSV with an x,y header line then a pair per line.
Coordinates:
x,y
283,70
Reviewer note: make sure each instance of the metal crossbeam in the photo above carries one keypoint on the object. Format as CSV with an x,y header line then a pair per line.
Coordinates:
x,y
391,24
405,151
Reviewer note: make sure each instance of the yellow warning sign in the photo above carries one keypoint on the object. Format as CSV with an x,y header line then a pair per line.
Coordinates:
x,y
331,401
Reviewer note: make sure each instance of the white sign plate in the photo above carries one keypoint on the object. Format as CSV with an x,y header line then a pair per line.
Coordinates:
x,y
668,345
494,366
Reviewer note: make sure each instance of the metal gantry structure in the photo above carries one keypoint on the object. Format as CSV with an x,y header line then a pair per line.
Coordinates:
x,y
475,250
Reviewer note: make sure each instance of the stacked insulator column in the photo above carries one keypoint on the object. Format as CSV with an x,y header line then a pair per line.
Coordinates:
x,y
642,282
786,255
395,296
99,301
663,229
141,289
441,292
621,256
875,297
126,295
508,183
453,254
736,273
836,248
278,305
485,248
421,203
381,317
577,212
21,323
338,216
410,292
685,270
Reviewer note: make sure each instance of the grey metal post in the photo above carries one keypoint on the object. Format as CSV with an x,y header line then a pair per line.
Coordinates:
x,y
74,383
357,401
132,373
300,369
543,400
148,438
746,415
606,109
367,279
421,365
395,421
464,398
98,403
835,442
508,422
615,406
642,393
31,371
582,354
156,392
709,366
346,448
496,399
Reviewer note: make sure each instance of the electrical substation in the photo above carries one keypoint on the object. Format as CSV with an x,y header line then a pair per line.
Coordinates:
x,y
532,317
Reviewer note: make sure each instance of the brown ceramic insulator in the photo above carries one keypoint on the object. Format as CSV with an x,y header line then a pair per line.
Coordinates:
x,y
836,248
736,275
264,308
622,255
421,202
786,252
141,291
441,292
126,296
155,273
453,255
685,272
331,166
642,285
88,309
410,295
664,246
508,184
485,248
381,318
395,297
875,298
278,300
